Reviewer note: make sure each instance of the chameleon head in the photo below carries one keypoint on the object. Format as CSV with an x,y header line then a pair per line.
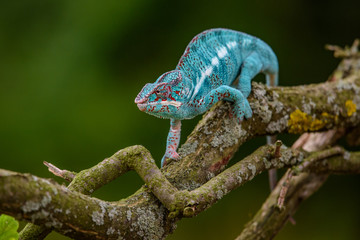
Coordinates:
x,y
164,98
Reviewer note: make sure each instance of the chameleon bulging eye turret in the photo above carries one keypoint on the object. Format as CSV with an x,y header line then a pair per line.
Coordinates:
x,y
204,75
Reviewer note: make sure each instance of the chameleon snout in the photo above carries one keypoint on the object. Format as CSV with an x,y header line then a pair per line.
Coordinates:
x,y
140,100
141,103
142,107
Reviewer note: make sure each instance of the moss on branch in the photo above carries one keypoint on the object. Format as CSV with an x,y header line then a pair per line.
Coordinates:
x,y
270,219
76,215
272,216
205,154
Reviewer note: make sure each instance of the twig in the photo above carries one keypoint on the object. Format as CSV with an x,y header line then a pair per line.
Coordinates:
x,y
267,223
89,215
345,52
277,153
284,189
296,170
65,174
216,138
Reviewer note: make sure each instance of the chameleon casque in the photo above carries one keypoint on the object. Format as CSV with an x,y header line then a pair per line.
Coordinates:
x,y
205,75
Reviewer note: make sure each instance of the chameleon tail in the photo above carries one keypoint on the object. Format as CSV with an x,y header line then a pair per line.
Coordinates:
x,y
272,80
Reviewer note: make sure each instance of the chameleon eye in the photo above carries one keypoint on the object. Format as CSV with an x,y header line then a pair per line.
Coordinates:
x,y
159,93
162,94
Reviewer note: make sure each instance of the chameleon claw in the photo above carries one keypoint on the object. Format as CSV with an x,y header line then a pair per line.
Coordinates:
x,y
163,161
248,111
173,156
242,110
238,114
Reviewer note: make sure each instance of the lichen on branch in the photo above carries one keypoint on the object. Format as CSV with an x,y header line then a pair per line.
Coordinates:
x,y
196,181
77,215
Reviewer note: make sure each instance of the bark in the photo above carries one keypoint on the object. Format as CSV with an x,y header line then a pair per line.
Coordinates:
x,y
267,223
193,183
271,218
82,217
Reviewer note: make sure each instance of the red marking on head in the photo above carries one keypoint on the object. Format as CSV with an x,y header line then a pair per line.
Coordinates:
x,y
195,39
187,51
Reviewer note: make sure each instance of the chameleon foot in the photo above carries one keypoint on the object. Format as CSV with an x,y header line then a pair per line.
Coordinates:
x,y
169,155
241,110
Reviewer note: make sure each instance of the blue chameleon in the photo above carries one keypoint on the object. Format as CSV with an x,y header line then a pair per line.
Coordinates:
x,y
205,74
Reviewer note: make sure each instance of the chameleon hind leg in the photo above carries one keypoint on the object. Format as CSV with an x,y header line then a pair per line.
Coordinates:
x,y
172,142
251,66
241,106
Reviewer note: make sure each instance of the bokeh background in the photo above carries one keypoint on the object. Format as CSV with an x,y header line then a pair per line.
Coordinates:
x,y
70,70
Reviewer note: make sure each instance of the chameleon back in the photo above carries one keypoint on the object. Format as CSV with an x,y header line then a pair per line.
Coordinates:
x,y
214,57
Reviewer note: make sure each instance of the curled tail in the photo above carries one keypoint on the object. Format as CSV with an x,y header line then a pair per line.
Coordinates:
x,y
272,80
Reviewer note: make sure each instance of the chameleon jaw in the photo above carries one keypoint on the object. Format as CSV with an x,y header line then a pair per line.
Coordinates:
x,y
163,103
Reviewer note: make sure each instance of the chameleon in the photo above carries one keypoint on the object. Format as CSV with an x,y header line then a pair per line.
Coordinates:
x,y
206,74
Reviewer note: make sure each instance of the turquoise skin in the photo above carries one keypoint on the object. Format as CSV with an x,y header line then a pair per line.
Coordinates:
x,y
205,75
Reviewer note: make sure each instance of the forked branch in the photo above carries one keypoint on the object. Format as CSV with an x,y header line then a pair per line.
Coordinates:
x,y
192,184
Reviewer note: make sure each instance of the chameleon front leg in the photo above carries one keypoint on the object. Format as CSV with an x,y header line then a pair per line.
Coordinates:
x,y
241,106
172,142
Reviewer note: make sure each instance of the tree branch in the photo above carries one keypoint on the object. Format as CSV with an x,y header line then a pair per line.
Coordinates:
x,y
262,225
205,154
270,219
23,195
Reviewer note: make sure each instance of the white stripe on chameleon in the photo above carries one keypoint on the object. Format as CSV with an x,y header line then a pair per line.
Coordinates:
x,y
214,61
222,52
200,82
246,42
208,71
231,45
172,103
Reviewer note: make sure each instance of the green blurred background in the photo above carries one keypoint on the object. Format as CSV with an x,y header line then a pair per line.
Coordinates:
x,y
70,70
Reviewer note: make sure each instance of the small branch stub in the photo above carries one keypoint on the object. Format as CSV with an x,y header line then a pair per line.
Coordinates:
x,y
65,174
277,153
345,52
189,212
296,170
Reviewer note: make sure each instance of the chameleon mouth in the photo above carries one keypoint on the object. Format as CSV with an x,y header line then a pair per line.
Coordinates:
x,y
139,100
142,106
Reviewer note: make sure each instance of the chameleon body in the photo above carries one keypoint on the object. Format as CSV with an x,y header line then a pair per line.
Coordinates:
x,y
205,75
